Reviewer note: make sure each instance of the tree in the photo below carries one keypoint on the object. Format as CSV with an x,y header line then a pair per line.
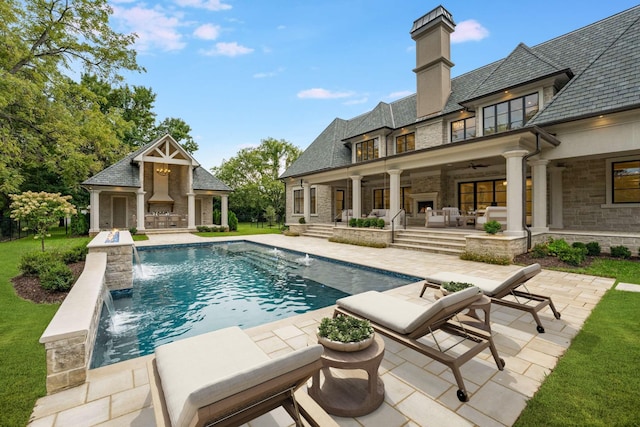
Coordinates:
x,y
40,211
179,130
47,121
253,174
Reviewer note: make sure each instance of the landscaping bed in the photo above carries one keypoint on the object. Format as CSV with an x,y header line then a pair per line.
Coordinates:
x,y
28,287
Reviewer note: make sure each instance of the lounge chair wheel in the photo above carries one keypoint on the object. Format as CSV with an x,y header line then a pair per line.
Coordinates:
x,y
540,329
557,315
462,396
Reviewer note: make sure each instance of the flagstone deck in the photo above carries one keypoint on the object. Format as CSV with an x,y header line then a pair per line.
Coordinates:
x,y
419,391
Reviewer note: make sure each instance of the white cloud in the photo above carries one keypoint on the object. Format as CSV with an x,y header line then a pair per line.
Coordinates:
x,y
469,30
319,93
207,32
214,5
399,94
227,49
268,74
154,28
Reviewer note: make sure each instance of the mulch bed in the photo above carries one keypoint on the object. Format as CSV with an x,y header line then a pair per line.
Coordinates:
x,y
28,287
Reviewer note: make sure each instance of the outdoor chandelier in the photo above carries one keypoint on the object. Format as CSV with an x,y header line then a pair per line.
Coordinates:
x,y
163,170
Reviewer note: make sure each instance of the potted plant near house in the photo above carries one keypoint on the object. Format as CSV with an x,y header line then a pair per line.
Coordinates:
x,y
345,333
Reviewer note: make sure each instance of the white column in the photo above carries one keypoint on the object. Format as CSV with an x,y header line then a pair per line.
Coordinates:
x,y
140,210
514,192
94,201
356,201
191,211
306,202
394,193
539,195
555,177
224,214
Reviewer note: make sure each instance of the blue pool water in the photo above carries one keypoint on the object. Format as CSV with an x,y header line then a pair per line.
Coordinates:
x,y
183,291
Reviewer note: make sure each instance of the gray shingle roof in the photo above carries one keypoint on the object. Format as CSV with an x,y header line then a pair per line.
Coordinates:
x,y
125,173
603,57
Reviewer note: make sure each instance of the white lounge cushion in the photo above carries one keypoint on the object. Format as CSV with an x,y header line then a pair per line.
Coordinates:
x,y
207,368
397,314
490,287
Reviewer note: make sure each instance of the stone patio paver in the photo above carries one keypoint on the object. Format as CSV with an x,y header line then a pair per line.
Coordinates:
x,y
419,391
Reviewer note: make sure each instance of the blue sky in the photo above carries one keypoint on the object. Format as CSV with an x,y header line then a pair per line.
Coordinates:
x,y
239,71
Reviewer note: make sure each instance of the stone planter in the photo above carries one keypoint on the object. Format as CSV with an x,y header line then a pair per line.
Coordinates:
x,y
346,346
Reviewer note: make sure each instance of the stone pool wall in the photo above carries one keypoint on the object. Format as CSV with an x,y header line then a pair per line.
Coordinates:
x,y
69,337
119,274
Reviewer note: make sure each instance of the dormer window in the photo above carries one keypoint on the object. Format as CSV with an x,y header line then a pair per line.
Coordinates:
x,y
405,143
463,129
512,114
367,150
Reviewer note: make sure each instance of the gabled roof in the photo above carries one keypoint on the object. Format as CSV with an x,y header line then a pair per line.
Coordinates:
x,y
521,66
602,59
125,173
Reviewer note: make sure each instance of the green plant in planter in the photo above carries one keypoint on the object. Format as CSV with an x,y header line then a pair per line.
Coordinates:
x,y
345,329
381,223
492,227
452,287
353,222
302,220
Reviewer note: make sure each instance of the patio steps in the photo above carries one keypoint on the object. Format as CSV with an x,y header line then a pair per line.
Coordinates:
x,y
322,231
433,241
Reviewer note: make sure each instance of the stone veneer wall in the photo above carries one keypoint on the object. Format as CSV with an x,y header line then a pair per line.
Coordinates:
x,y
499,246
584,193
119,273
368,235
69,337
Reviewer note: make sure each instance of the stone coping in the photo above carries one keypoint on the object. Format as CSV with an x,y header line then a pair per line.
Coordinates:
x,y
76,313
101,240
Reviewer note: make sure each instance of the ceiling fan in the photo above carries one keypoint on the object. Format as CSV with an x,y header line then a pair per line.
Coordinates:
x,y
477,165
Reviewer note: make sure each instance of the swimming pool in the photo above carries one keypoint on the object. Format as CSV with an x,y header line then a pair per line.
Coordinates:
x,y
183,291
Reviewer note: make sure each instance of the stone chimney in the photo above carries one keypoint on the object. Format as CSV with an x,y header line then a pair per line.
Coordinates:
x,y
433,64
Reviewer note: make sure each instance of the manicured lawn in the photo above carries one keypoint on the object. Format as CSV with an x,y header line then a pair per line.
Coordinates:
x,y
23,367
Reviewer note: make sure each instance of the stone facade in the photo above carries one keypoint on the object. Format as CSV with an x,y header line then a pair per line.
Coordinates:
x,y
119,271
364,235
430,135
496,245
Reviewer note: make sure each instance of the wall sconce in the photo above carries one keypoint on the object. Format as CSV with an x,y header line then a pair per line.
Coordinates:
x,y
300,182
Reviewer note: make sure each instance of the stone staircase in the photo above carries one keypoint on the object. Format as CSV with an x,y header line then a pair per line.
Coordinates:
x,y
434,241
323,231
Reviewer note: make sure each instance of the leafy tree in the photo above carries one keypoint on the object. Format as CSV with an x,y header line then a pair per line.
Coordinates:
x,y
179,130
253,174
40,211
47,121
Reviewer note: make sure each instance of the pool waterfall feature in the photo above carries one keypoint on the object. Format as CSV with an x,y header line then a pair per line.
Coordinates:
x,y
69,337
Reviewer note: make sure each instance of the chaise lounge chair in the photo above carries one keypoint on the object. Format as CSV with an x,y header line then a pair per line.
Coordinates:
x,y
504,292
406,323
223,378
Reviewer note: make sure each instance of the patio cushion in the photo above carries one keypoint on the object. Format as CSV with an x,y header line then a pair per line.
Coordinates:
x,y
490,287
396,314
207,368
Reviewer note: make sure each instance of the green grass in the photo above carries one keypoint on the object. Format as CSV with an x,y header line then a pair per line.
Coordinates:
x,y
23,367
245,229
596,382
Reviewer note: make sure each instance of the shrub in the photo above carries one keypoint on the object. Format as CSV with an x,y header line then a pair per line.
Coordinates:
x,y
541,250
75,254
353,222
33,263
492,227
233,221
360,222
301,220
572,255
593,248
79,225
579,245
557,246
217,216
58,277
381,223
366,222
620,252
487,259
203,229
133,231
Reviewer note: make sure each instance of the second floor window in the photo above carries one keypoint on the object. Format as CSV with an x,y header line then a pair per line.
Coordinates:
x,y
512,114
463,129
367,150
405,143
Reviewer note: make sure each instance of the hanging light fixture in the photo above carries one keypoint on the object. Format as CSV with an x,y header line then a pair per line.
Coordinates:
x,y
163,170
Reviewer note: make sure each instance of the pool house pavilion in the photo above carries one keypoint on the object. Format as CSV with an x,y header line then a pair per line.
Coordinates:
x,y
160,187
551,133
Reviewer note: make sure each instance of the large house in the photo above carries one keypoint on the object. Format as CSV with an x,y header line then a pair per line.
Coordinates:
x,y
159,187
551,132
